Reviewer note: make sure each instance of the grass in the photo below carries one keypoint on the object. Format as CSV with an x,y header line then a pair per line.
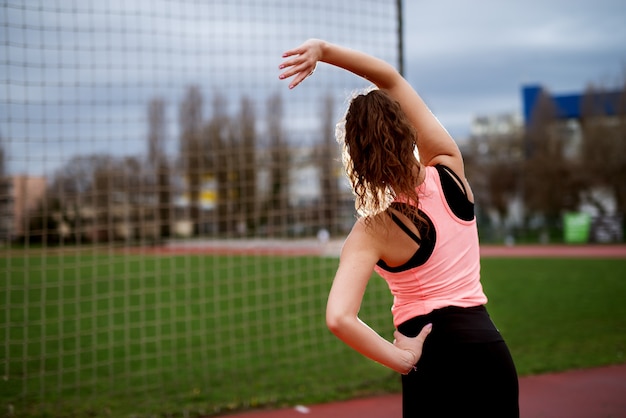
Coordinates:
x,y
128,335
559,314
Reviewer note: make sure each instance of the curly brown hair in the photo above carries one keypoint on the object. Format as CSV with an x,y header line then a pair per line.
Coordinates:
x,y
379,154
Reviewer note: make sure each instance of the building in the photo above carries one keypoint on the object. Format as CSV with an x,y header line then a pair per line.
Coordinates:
x,y
20,195
568,106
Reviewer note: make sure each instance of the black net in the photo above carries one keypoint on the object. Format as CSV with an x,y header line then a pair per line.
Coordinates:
x,y
170,212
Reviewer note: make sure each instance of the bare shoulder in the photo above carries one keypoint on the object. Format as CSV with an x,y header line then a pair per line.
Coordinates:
x,y
359,255
359,235
364,238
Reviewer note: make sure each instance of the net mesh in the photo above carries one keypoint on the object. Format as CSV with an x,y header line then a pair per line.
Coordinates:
x,y
170,213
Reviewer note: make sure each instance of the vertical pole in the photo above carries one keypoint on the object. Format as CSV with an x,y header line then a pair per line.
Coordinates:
x,y
400,38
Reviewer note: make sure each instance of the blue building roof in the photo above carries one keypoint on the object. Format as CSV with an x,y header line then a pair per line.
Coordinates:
x,y
568,105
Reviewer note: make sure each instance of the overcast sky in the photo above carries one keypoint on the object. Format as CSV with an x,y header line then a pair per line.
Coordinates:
x,y
471,58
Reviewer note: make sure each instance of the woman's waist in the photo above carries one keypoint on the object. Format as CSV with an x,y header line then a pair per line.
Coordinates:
x,y
455,324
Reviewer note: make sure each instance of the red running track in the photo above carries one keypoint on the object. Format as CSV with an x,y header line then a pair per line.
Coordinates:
x,y
589,393
577,251
333,248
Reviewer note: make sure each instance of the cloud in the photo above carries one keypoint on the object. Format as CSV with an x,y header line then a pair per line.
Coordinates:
x,y
72,67
78,76
470,58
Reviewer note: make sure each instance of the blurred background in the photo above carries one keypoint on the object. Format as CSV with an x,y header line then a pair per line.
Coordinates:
x,y
171,213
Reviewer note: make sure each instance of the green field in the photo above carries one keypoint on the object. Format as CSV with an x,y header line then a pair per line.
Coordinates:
x,y
131,335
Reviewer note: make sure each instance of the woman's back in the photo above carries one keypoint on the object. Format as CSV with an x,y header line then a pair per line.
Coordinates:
x,y
444,268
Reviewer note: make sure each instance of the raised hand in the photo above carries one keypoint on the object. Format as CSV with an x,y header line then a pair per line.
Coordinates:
x,y
301,61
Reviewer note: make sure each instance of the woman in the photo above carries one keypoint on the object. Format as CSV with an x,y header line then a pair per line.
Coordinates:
x,y
418,231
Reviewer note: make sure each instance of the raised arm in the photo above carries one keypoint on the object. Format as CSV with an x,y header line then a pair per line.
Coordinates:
x,y
435,144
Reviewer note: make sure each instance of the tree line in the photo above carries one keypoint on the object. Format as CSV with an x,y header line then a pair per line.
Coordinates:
x,y
548,168
231,179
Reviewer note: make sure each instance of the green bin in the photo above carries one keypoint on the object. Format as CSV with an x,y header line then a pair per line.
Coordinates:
x,y
576,227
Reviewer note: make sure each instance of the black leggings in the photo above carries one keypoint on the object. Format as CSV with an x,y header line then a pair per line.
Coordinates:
x,y
465,369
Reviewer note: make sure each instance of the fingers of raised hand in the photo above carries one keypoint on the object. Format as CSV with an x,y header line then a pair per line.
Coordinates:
x,y
300,72
299,64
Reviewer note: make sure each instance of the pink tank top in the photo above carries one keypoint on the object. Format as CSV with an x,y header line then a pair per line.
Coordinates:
x,y
451,274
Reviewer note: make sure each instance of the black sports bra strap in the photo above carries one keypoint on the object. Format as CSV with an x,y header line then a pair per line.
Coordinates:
x,y
455,196
453,174
405,228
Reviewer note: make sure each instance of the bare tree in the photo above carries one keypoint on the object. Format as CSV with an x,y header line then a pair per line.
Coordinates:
x,y
156,130
551,181
69,194
94,198
216,136
3,158
5,196
494,163
159,164
277,206
327,156
119,199
102,198
246,167
604,144
190,118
